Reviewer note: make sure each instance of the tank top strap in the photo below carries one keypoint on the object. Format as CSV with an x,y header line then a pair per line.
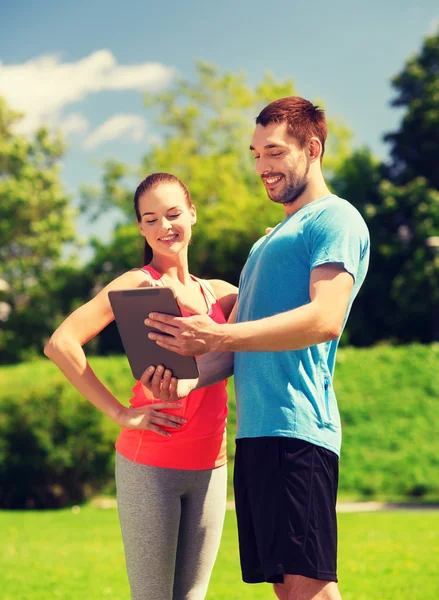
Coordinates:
x,y
153,275
208,290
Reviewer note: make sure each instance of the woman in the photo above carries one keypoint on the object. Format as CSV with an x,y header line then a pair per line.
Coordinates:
x,y
170,456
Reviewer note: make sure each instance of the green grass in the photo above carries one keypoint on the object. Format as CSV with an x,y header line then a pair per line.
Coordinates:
x,y
59,554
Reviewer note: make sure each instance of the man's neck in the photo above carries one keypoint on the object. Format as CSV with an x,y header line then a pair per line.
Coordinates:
x,y
314,191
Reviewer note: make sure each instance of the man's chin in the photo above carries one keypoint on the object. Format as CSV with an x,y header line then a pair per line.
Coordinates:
x,y
278,198
274,197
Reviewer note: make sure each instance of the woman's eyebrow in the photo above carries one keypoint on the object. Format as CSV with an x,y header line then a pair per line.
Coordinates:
x,y
167,210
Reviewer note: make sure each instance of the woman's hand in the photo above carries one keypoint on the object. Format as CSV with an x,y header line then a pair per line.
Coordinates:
x,y
163,386
151,417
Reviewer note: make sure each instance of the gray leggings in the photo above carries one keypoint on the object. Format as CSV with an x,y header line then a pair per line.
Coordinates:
x,y
171,523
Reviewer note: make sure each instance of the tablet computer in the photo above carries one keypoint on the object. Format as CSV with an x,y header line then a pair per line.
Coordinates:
x,y
130,309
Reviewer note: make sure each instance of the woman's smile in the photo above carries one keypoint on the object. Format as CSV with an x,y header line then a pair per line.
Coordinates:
x,y
169,239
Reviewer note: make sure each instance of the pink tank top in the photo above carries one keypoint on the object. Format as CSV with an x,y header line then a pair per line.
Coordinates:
x,y
200,443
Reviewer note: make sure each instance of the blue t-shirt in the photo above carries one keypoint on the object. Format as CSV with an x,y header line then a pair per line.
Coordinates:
x,y
290,393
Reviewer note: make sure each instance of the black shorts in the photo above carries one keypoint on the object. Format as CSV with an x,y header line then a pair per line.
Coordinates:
x,y
285,495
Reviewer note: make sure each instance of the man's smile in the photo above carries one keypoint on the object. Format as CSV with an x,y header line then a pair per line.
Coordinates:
x,y
272,181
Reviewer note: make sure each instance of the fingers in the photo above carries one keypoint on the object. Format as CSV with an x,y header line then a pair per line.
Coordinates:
x,y
165,341
159,431
167,420
158,419
173,389
163,322
163,327
161,405
146,376
160,382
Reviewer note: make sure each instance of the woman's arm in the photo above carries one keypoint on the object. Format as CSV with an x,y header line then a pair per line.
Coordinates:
x,y
65,349
226,294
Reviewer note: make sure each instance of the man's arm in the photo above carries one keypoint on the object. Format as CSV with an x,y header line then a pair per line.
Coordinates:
x,y
318,321
216,366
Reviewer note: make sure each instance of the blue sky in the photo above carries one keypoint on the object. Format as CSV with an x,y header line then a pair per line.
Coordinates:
x,y
82,66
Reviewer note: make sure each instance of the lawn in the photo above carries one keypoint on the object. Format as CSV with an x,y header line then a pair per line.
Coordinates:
x,y
78,554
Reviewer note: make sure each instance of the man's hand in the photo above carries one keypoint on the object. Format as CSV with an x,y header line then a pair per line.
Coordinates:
x,y
191,336
160,382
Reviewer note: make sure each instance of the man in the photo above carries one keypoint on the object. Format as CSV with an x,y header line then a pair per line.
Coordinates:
x,y
295,294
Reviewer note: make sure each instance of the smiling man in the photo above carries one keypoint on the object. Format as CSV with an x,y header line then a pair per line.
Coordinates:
x,y
295,294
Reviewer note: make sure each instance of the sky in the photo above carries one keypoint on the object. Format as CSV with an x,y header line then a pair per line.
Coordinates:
x,y
82,67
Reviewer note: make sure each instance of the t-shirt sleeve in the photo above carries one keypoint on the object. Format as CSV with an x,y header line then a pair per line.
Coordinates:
x,y
339,235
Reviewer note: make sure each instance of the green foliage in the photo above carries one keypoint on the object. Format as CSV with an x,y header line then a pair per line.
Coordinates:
x,y
388,399
401,293
79,554
55,448
400,203
205,129
35,223
414,145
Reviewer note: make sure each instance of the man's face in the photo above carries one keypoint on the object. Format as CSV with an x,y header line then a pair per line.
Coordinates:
x,y
280,161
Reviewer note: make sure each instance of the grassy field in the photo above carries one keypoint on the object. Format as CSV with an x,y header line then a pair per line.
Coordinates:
x,y
78,554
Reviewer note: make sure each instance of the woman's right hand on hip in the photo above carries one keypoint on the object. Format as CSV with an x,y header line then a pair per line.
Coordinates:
x,y
151,417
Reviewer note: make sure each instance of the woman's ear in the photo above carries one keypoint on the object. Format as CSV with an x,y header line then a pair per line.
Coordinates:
x,y
193,214
140,227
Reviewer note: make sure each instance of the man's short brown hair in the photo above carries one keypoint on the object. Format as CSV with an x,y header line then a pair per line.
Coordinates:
x,y
305,120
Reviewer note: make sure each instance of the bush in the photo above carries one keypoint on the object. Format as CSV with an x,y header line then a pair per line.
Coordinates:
x,y
56,449
388,399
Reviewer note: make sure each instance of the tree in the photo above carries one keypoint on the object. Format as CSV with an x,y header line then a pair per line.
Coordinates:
x,y
402,287
413,192
205,128
35,222
400,202
414,146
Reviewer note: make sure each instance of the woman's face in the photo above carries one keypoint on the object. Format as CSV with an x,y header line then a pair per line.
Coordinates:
x,y
166,219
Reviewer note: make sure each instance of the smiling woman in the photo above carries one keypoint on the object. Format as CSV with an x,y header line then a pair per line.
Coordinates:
x,y
171,455
175,218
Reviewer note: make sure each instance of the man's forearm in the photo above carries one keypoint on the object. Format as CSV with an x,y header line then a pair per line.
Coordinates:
x,y
214,367
293,330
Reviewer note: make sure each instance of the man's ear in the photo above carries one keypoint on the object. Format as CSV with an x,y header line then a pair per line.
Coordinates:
x,y
315,148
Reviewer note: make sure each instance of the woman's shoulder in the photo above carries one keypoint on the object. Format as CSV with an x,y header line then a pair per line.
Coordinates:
x,y
225,293
222,288
134,278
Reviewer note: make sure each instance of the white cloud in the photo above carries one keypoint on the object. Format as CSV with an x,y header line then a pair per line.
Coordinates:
x,y
74,123
43,86
115,127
